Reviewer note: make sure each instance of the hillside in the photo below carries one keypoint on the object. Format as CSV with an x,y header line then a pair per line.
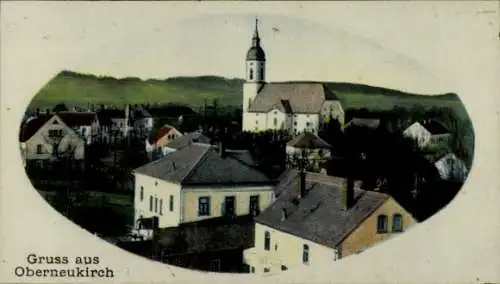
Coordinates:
x,y
79,89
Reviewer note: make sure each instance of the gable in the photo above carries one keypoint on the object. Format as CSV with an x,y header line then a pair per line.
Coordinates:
x,y
366,235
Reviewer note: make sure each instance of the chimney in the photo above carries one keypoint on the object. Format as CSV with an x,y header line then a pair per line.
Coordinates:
x,y
347,193
222,150
283,214
302,183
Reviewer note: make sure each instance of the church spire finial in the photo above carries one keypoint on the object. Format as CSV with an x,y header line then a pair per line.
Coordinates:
x,y
256,38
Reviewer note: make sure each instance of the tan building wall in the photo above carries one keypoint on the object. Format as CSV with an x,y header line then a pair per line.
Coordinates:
x,y
185,200
285,250
366,234
190,197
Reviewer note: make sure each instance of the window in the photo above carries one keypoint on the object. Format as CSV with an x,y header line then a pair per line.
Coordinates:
x,y
151,203
204,206
252,269
382,224
256,122
171,203
251,74
397,223
262,74
161,206
39,149
283,268
305,254
53,133
266,270
275,121
295,123
254,205
267,240
141,194
156,204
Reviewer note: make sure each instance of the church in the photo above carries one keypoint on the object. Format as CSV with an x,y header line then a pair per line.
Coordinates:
x,y
292,106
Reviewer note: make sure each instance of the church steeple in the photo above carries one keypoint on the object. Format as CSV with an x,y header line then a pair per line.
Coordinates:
x,y
256,38
256,52
255,69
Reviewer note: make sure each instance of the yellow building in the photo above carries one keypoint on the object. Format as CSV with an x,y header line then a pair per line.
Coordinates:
x,y
319,219
200,182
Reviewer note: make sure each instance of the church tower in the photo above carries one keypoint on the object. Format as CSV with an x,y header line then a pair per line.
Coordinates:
x,y
255,66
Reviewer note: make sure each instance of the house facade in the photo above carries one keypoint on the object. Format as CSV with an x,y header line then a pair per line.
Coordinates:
x,y
428,133
48,138
157,142
200,182
291,106
320,219
451,168
316,150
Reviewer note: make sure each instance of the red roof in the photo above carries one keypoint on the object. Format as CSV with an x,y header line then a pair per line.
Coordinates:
x,y
153,138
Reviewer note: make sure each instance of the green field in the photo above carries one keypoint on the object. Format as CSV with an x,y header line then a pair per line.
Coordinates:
x,y
81,89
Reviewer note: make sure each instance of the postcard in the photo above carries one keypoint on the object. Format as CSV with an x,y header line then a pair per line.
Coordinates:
x,y
304,142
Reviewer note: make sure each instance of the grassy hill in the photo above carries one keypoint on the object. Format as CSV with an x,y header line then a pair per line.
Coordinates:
x,y
79,89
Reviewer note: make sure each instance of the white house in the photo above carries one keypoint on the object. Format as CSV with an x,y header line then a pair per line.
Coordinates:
x,y
318,219
200,182
157,142
84,123
451,168
114,121
48,138
292,106
427,133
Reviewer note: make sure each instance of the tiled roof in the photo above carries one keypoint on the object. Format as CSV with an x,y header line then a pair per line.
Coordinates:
x,y
31,126
73,118
309,141
318,216
185,140
200,164
434,127
157,135
292,97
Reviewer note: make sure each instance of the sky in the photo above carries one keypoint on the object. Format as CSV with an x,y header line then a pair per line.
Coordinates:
x,y
346,42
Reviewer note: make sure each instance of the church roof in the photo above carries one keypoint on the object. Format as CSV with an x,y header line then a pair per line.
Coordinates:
x,y
291,97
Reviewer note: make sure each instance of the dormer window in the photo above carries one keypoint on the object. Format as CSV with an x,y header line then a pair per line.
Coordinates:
x,y
251,74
